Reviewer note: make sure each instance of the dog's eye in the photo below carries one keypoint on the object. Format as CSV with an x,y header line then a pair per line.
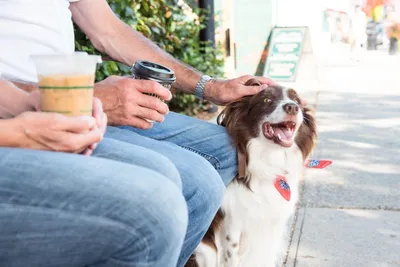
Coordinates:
x,y
267,100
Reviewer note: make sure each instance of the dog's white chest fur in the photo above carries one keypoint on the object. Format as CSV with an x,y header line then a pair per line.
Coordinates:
x,y
253,231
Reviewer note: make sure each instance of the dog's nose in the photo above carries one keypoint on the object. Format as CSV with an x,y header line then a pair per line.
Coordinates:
x,y
291,109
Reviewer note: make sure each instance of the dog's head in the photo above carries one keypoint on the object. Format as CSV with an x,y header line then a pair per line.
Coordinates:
x,y
274,113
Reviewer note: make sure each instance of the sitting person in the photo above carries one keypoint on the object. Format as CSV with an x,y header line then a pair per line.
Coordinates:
x,y
201,152
59,208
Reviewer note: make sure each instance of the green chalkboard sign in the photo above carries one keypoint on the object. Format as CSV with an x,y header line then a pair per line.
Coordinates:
x,y
285,49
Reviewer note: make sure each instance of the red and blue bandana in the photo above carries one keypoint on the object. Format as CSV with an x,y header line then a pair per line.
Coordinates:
x,y
317,164
283,187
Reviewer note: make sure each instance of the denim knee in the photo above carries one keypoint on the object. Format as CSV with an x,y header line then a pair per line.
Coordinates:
x,y
165,166
161,228
213,189
203,187
122,151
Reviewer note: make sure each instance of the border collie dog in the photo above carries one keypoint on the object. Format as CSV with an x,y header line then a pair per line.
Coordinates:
x,y
273,135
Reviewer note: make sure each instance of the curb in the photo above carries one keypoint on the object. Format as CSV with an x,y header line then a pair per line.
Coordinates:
x,y
297,227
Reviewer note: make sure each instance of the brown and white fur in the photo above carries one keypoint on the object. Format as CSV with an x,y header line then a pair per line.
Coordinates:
x,y
249,229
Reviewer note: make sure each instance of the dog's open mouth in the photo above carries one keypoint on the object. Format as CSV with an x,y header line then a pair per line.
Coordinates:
x,y
281,133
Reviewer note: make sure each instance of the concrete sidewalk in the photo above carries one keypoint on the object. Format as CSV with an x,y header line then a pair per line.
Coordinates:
x,y
349,214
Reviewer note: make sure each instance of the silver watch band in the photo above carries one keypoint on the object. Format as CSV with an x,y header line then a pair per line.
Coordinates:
x,y
199,90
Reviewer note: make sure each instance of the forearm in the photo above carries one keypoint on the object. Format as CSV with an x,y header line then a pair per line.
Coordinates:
x,y
113,37
13,101
128,45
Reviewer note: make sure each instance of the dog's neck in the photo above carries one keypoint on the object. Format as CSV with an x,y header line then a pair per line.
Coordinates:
x,y
268,160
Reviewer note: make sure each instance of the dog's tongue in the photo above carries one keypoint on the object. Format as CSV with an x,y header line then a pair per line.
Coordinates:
x,y
284,133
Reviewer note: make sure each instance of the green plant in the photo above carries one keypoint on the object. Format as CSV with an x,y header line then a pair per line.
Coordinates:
x,y
175,30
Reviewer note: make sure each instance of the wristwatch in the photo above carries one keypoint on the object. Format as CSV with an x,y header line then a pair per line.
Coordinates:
x,y
199,90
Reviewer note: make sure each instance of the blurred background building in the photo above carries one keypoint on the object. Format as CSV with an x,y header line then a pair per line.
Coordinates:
x,y
244,26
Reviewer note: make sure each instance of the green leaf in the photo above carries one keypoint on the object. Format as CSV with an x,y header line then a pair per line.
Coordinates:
x,y
128,12
155,30
146,7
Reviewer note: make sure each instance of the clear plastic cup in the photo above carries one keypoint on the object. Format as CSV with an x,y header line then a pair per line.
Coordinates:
x,y
66,82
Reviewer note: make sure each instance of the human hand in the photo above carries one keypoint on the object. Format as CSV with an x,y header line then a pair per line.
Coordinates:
x,y
222,92
225,91
98,114
101,123
54,132
126,103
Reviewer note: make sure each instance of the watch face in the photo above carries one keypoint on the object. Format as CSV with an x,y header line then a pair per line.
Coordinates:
x,y
206,78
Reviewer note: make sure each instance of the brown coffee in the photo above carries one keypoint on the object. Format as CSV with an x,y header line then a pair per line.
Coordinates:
x,y
71,95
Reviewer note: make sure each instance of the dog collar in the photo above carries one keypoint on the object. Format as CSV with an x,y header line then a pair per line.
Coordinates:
x,y
241,165
283,187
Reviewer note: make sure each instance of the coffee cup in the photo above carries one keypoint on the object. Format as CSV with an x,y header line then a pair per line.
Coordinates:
x,y
66,82
146,70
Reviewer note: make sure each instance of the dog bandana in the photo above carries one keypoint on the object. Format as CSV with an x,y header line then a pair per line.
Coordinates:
x,y
283,187
317,164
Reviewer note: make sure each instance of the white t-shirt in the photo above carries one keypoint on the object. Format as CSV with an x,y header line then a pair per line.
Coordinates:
x,y
29,27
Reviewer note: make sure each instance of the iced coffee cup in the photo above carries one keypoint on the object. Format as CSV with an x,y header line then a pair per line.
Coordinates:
x,y
66,82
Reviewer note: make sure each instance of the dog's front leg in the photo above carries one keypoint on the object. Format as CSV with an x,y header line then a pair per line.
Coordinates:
x,y
205,256
230,240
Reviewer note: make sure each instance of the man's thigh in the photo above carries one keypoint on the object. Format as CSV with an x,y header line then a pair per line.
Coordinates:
x,y
193,169
53,203
117,150
74,183
210,141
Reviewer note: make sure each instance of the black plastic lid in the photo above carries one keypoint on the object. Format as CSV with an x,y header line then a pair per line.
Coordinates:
x,y
147,69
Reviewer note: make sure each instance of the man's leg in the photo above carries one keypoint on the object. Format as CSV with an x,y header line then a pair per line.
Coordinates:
x,y
140,156
61,209
202,185
206,139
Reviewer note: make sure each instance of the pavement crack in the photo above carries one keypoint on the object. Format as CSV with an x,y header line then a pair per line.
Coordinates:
x,y
397,209
299,239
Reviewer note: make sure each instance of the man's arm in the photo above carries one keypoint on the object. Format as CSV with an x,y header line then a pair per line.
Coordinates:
x,y
110,35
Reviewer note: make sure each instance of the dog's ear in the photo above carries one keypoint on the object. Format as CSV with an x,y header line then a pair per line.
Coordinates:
x,y
307,134
233,119
235,109
233,113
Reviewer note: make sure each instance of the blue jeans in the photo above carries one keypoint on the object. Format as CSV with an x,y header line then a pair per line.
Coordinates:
x,y
203,155
203,138
61,209
199,155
